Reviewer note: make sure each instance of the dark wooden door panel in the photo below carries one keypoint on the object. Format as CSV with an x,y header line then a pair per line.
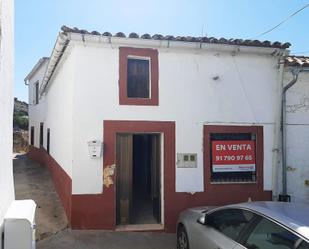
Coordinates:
x,y
124,152
156,176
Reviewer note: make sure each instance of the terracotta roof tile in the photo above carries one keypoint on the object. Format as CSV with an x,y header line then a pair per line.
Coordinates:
x,y
214,40
133,35
146,36
107,34
302,61
120,34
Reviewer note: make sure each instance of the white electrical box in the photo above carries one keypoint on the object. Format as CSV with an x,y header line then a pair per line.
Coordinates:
x,y
95,148
19,225
186,160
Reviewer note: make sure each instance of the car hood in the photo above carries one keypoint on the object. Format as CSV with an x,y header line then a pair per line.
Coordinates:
x,y
201,210
192,214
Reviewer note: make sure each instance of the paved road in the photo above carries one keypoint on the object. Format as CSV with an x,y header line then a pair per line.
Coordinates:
x,y
33,181
108,240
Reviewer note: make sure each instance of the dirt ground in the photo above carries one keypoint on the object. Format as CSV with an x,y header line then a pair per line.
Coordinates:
x,y
33,181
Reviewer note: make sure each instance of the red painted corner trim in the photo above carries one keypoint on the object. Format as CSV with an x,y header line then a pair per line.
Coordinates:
x,y
124,52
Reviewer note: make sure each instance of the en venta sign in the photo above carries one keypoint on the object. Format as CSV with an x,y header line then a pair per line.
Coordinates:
x,y
233,156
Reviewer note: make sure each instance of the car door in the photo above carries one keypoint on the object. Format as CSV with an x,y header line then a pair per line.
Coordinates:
x,y
269,235
221,229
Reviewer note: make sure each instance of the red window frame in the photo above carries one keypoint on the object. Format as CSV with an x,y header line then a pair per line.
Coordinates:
x,y
152,54
257,130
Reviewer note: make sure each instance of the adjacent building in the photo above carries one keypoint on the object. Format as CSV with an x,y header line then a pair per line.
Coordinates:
x,y
136,129
297,128
6,107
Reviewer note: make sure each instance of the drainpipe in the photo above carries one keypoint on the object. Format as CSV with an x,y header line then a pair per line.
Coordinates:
x,y
277,137
284,196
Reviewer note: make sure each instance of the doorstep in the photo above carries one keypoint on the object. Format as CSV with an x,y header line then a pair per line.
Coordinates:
x,y
140,227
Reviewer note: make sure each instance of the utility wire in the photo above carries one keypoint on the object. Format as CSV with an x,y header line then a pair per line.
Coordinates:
x,y
286,19
302,52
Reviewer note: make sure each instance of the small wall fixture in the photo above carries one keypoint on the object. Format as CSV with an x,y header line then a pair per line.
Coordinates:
x,y
95,148
216,77
186,160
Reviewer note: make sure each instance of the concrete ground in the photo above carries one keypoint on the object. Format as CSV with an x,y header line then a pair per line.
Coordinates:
x,y
78,239
33,181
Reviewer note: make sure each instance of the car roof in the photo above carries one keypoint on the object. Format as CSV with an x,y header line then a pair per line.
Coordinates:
x,y
292,215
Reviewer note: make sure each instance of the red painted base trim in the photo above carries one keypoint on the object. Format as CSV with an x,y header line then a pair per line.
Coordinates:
x,y
61,179
91,212
99,211
174,202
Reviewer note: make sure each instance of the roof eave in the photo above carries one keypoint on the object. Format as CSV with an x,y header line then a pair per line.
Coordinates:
x,y
57,52
139,42
35,68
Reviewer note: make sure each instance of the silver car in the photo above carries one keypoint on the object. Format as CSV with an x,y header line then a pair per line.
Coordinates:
x,y
252,225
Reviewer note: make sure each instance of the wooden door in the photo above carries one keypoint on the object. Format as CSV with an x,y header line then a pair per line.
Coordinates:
x,y
156,176
124,155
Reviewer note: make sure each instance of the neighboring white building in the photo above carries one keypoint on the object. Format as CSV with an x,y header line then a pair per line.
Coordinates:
x,y
297,128
200,115
6,107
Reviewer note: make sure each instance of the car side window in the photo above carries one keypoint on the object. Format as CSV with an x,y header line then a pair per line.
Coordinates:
x,y
229,221
269,235
303,245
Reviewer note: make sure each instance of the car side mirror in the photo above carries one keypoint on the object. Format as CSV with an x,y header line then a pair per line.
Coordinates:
x,y
202,220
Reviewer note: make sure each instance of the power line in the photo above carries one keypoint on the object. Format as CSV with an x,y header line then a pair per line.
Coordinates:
x,y
286,19
302,52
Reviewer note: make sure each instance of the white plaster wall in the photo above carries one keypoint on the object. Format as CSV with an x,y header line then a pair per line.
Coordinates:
x,y
36,111
6,106
244,94
298,137
58,112
55,111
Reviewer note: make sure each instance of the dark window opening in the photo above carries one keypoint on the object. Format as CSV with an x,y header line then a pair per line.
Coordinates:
x,y
48,140
37,93
232,175
138,78
41,134
32,135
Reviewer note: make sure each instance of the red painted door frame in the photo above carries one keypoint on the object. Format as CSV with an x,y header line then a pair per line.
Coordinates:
x,y
111,128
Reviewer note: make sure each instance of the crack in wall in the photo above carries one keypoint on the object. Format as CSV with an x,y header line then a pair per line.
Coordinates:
x,y
303,105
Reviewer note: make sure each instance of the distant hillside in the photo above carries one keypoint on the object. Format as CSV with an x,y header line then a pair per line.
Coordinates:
x,y
20,118
20,124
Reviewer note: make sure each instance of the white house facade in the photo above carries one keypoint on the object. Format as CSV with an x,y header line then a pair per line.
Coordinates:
x,y
136,129
6,107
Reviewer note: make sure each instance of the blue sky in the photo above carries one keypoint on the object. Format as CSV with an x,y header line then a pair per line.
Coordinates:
x,y
38,22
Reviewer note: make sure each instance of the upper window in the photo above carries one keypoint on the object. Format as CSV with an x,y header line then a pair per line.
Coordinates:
x,y
36,100
138,76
